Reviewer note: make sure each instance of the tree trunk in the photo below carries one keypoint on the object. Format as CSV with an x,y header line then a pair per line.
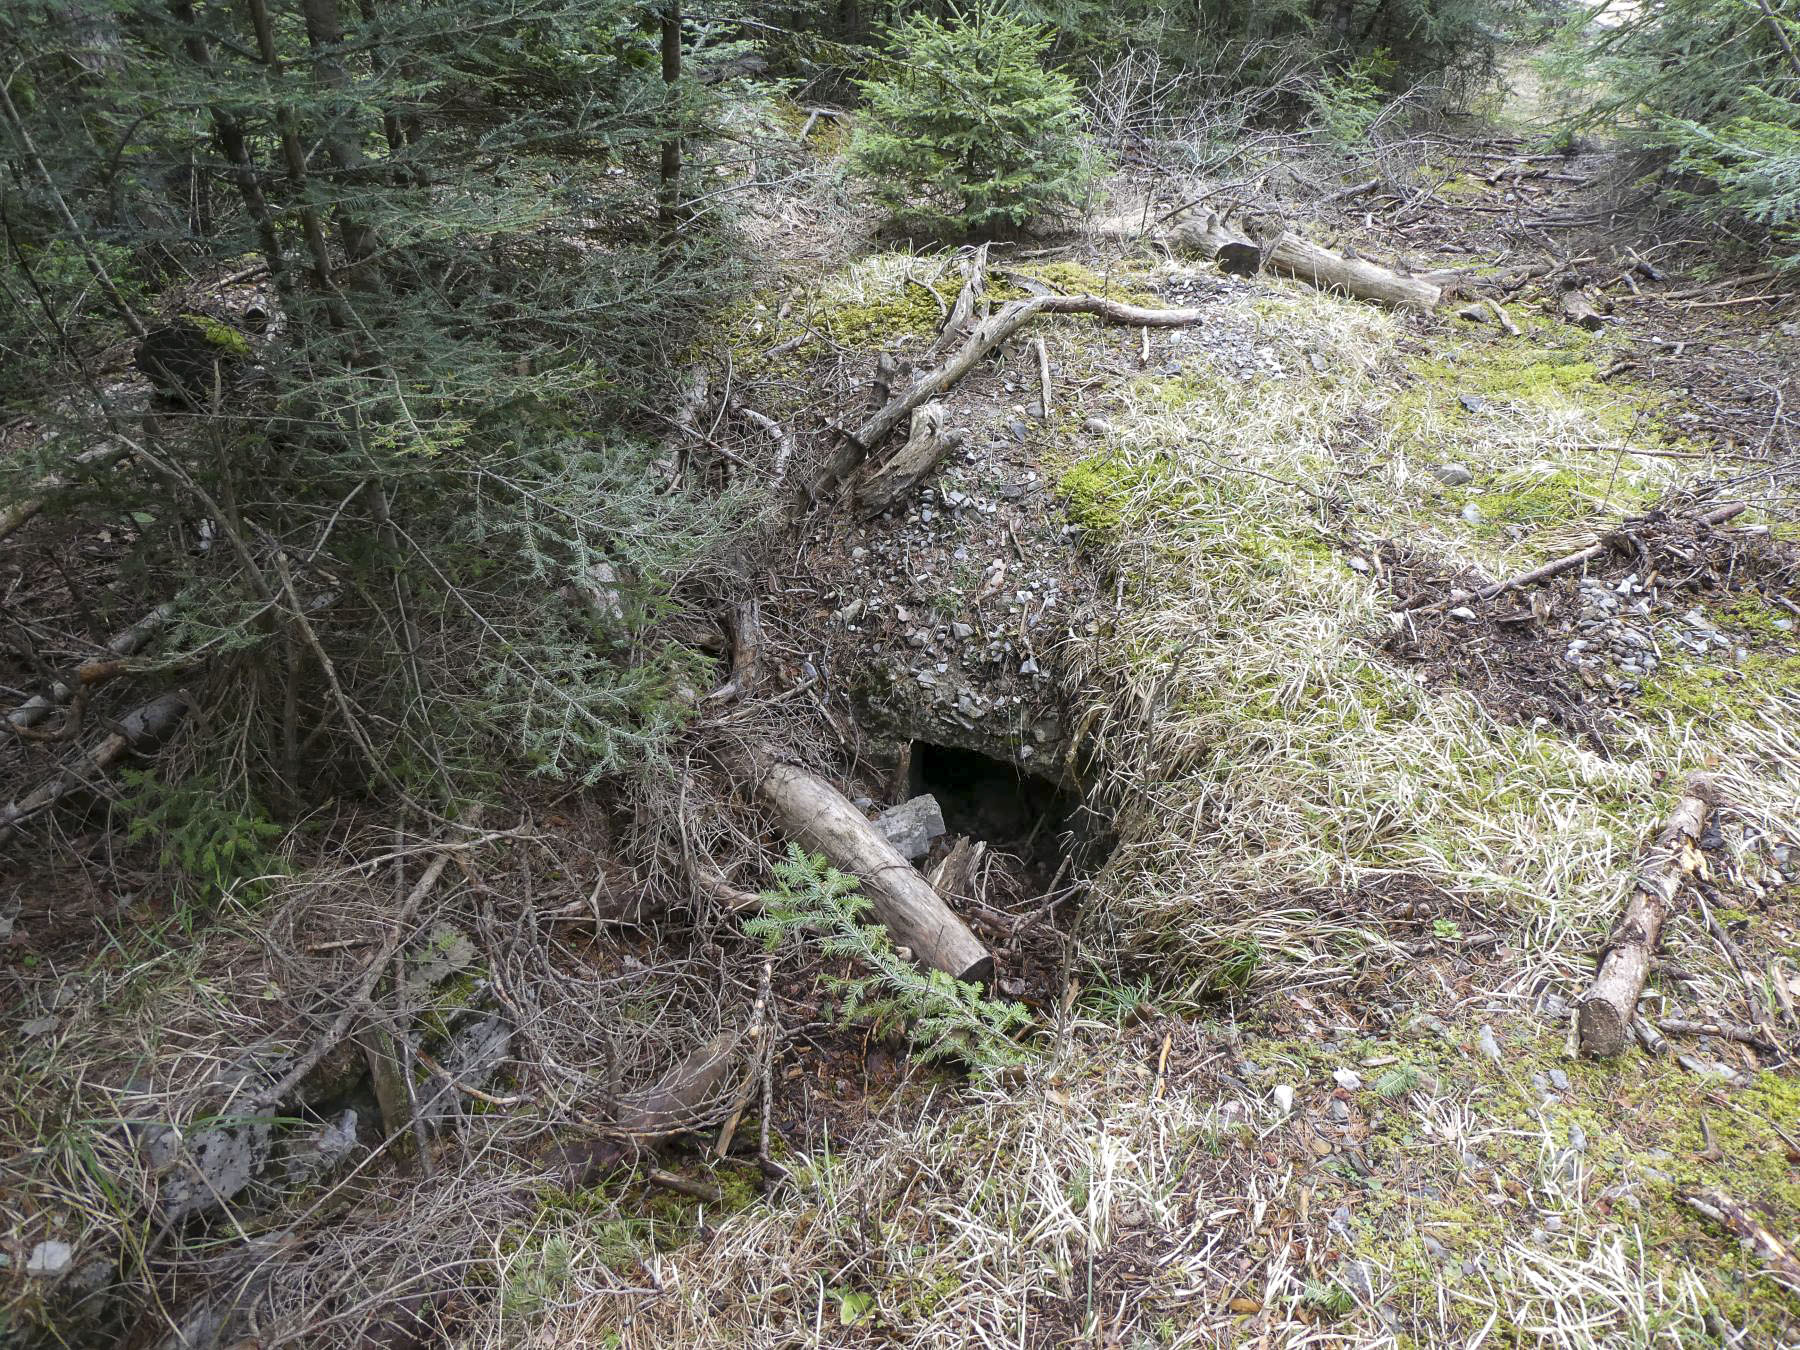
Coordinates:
x,y
325,34
1580,311
1603,1021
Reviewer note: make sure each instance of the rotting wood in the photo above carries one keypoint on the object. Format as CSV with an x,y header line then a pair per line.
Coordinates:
x,y
746,652
140,729
925,448
1043,365
1290,255
987,335
962,313
824,820
1556,566
1604,1013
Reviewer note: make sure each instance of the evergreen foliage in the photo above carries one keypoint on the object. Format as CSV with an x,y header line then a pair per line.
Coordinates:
x,y
944,1017
965,126
1711,88
407,493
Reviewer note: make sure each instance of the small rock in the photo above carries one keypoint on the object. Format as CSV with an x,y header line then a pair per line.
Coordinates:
x,y
1284,1099
1028,666
1339,1111
1453,475
1436,1250
1035,410
850,613
1471,403
962,631
1488,1046
1016,429
49,1259
1098,426
1472,514
1347,1079
1359,564
1464,613
912,827
1560,1081
1012,491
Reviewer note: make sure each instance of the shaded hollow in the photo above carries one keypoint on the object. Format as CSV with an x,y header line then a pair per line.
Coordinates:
x,y
990,799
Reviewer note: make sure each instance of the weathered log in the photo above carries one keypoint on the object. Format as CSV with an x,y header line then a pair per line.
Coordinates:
x,y
127,642
1580,311
140,729
1290,255
826,821
925,447
1603,1018
988,334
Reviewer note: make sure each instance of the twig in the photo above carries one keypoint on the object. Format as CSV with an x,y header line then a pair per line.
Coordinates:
x,y
1722,1209
1043,364
365,984
463,1087
1750,1036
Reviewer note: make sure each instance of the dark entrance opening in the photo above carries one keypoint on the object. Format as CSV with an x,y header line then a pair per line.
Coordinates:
x,y
989,799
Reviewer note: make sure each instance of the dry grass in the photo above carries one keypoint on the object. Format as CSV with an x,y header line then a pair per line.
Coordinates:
x,y
1261,751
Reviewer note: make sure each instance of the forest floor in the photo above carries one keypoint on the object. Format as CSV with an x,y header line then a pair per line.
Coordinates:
x,y
1299,862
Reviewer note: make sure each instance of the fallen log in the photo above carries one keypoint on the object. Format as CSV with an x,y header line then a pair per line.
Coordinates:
x,y
925,447
987,335
824,820
1290,255
125,643
140,729
1604,1013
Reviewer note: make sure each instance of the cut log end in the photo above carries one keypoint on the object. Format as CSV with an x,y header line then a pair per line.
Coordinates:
x,y
1600,1031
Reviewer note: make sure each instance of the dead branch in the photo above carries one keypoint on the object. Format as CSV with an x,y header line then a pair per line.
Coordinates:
x,y
988,334
925,447
1783,1268
126,643
12,517
1605,1011
364,988
140,729
1753,1037
962,313
1557,566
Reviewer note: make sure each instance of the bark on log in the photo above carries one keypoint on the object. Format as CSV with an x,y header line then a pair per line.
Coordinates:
x,y
1603,1019
988,334
962,313
925,447
1292,256
824,820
